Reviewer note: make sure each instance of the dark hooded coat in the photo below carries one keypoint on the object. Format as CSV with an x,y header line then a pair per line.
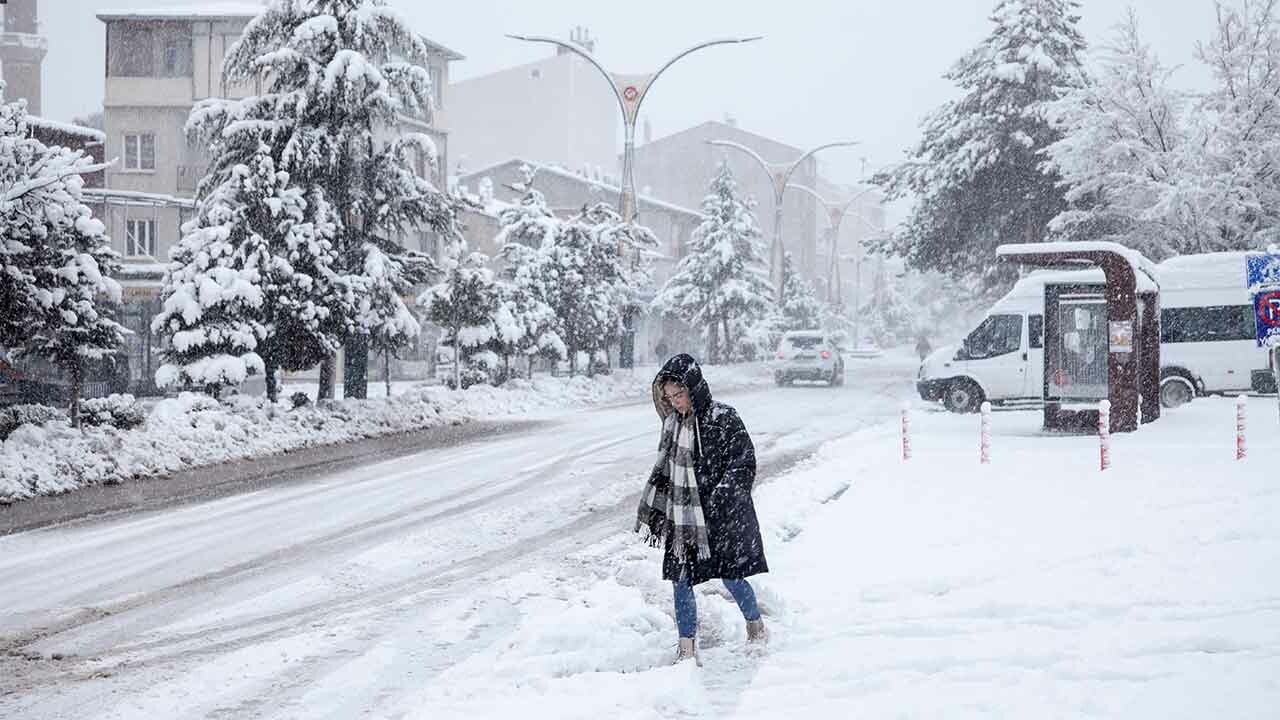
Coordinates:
x,y
725,467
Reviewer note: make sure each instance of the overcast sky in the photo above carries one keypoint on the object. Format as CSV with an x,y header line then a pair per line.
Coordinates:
x,y
866,70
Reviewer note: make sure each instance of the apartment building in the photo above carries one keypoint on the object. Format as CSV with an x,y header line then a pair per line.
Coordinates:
x,y
158,64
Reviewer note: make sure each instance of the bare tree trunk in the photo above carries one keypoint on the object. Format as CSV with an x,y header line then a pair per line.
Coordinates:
x,y
355,367
273,387
328,373
77,387
713,342
386,369
728,342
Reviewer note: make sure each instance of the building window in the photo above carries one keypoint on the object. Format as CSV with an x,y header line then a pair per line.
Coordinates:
x,y
140,238
437,86
175,57
132,50
140,151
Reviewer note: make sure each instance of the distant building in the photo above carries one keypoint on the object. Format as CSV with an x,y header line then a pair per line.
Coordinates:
x,y
22,51
679,168
557,110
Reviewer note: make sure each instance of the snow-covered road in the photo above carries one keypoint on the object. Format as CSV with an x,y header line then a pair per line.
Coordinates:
x,y
322,599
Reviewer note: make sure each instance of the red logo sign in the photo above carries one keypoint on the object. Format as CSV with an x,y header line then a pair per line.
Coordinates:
x,y
630,93
1269,308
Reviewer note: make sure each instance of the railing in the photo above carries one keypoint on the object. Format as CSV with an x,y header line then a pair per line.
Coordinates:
x,y
189,177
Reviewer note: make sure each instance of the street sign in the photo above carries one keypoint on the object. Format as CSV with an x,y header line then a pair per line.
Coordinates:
x,y
1266,308
1262,270
1262,276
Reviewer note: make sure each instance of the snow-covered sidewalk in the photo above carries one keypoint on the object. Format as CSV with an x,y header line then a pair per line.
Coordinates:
x,y
1035,586
193,430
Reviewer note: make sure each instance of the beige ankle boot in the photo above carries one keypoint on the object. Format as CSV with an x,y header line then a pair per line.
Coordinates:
x,y
756,632
688,649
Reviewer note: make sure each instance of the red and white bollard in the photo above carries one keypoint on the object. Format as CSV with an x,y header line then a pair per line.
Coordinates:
x,y
984,437
906,434
1241,449
1104,435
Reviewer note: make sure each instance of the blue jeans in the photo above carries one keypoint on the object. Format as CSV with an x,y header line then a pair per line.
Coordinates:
x,y
687,603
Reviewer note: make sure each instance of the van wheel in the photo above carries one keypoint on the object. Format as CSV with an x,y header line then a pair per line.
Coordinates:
x,y
1176,389
962,396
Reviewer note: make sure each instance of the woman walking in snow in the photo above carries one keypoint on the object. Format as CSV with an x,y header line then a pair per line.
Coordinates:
x,y
697,501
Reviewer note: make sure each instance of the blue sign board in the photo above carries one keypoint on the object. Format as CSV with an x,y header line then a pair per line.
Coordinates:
x,y
1262,270
1266,312
1262,276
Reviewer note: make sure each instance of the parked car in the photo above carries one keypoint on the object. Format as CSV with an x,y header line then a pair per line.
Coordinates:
x,y
808,355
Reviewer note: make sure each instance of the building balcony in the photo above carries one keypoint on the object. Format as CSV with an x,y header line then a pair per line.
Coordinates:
x,y
122,91
189,177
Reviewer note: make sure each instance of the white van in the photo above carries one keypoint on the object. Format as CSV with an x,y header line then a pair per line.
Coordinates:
x,y
1206,338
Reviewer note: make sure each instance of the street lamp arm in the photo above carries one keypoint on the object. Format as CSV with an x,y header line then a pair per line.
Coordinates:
x,y
687,51
787,178
739,146
826,204
580,52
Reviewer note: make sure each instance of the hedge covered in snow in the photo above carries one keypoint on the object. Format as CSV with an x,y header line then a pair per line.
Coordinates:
x,y
193,430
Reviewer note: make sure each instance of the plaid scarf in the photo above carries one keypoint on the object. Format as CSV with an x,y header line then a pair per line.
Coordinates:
x,y
673,508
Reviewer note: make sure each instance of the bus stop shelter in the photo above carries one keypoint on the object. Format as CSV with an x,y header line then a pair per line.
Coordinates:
x,y
1132,309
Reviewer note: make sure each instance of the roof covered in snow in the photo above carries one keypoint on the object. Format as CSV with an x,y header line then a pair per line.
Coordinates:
x,y
1144,270
80,131
226,9
473,178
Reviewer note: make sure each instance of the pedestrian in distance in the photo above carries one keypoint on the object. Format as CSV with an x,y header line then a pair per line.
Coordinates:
x,y
697,500
923,348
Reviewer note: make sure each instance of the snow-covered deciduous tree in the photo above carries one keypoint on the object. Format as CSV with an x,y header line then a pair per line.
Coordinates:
x,y
722,284
341,77
801,309
1170,171
251,287
1125,151
56,294
976,173
464,303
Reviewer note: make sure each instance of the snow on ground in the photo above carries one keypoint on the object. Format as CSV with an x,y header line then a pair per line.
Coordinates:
x,y
193,430
1035,586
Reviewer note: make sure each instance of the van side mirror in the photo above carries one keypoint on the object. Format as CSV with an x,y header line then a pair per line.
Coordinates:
x,y
962,353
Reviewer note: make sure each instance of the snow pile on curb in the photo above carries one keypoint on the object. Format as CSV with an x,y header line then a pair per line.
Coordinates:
x,y
193,430
1033,586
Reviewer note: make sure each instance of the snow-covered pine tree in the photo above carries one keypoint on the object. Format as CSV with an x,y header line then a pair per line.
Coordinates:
x,y
340,76
801,309
259,226
56,293
591,276
886,316
464,303
722,284
976,173
527,324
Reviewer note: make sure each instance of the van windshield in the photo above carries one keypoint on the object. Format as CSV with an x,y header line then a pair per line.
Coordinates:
x,y
997,335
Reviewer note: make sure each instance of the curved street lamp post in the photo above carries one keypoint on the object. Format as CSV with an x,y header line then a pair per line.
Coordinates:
x,y
630,91
836,213
780,176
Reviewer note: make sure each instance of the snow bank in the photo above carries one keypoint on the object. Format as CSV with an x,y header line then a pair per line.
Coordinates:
x,y
1036,586
192,430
